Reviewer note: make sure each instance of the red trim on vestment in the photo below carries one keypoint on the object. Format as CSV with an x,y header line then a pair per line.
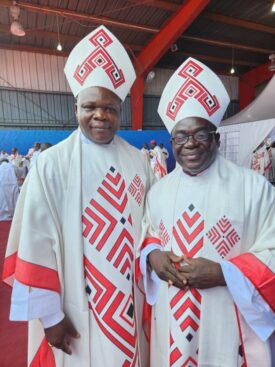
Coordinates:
x,y
149,241
241,336
37,276
9,266
259,274
44,356
146,320
161,169
137,271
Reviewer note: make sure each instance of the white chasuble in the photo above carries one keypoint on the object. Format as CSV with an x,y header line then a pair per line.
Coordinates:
x,y
75,227
222,214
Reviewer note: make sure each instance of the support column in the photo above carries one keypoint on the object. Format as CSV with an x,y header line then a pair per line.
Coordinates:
x,y
137,103
246,94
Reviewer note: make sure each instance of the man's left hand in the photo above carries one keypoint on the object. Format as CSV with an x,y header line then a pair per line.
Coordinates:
x,y
202,273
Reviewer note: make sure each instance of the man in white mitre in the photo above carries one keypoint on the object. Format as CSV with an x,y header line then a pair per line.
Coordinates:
x,y
157,160
78,220
208,259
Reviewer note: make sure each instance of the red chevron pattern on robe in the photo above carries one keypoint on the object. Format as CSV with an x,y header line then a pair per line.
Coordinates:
x,y
99,222
188,232
185,308
113,311
223,236
163,234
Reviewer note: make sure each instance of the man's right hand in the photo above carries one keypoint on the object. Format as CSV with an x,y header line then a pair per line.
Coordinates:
x,y
58,335
163,263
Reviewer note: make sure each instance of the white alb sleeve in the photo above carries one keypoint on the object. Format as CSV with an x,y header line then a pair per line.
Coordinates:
x,y
151,281
250,303
29,303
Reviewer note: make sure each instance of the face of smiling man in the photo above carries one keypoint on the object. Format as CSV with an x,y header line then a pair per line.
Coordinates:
x,y
195,156
98,113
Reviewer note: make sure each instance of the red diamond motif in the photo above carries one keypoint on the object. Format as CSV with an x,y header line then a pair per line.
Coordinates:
x,y
223,236
137,189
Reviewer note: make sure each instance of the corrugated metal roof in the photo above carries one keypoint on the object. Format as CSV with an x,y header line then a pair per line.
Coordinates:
x,y
39,24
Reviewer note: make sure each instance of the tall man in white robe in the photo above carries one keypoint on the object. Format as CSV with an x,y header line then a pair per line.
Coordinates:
x,y
9,189
73,237
212,249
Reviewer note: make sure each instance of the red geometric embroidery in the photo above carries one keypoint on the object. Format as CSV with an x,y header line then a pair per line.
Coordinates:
x,y
137,189
190,362
100,58
192,88
223,236
112,311
122,252
175,353
188,232
164,236
98,223
187,311
185,307
113,190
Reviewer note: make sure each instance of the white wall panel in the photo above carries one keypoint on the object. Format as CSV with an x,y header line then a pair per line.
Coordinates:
x,y
31,71
41,72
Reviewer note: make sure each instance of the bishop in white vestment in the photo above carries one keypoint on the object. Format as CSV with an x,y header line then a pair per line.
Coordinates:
x,y
70,254
208,256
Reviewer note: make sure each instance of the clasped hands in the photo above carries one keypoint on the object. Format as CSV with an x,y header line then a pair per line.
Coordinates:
x,y
183,272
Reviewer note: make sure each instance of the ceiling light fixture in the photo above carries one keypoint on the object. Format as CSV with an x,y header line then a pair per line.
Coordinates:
x,y
174,47
16,27
273,7
59,46
150,76
232,70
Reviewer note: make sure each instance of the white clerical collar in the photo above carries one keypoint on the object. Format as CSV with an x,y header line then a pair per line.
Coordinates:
x,y
85,140
204,173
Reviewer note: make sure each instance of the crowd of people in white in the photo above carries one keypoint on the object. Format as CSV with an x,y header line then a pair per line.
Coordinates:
x,y
14,168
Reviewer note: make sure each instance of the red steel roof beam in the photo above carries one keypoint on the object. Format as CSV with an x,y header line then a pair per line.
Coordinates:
x,y
168,34
249,81
157,47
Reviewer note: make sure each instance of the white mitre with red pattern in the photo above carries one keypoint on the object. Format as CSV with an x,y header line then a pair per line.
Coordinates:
x,y
193,90
100,60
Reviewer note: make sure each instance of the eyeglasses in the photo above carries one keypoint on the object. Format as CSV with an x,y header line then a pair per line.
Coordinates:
x,y
202,135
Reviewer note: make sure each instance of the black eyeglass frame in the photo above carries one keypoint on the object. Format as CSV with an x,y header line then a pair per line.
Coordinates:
x,y
187,136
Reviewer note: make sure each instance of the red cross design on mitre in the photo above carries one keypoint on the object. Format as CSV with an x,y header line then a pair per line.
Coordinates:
x,y
192,88
100,58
